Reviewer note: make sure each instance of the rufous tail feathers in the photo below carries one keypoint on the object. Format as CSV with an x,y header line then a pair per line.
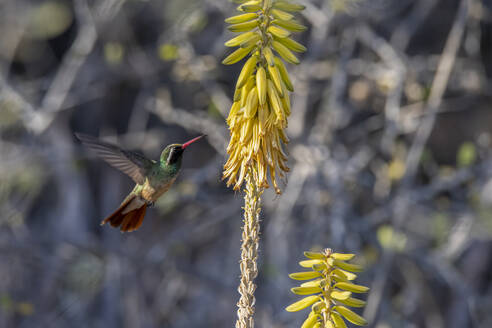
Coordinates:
x,y
129,221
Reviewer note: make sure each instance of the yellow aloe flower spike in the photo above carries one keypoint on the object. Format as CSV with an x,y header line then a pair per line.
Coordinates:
x,y
257,121
264,26
330,291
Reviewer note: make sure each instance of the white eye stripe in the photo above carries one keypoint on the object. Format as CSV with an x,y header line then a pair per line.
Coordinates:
x,y
174,154
171,153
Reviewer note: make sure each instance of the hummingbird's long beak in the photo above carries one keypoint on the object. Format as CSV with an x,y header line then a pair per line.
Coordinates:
x,y
186,144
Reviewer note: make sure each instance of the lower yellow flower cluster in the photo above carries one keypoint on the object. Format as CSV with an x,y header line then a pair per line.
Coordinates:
x,y
330,291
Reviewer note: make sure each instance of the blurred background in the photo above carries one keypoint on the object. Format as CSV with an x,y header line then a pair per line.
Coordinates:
x,y
390,158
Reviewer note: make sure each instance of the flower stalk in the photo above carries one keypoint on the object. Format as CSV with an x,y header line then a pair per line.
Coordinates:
x,y
249,252
257,120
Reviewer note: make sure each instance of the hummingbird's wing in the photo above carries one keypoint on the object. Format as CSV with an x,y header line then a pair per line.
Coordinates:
x,y
133,164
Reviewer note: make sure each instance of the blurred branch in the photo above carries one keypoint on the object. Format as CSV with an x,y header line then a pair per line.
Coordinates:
x,y
401,206
216,132
407,28
398,68
71,63
37,120
438,88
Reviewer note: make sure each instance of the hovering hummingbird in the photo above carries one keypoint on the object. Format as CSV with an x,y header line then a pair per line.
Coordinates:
x,y
152,178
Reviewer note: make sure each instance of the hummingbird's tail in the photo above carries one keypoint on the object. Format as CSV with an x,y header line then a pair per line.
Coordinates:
x,y
129,215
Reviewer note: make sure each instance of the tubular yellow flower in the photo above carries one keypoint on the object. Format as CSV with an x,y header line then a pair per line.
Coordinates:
x,y
332,290
261,107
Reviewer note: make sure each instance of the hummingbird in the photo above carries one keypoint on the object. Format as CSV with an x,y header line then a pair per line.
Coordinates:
x,y
152,178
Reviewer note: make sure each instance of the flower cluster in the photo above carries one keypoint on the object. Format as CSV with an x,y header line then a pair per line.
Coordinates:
x,y
330,291
258,116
